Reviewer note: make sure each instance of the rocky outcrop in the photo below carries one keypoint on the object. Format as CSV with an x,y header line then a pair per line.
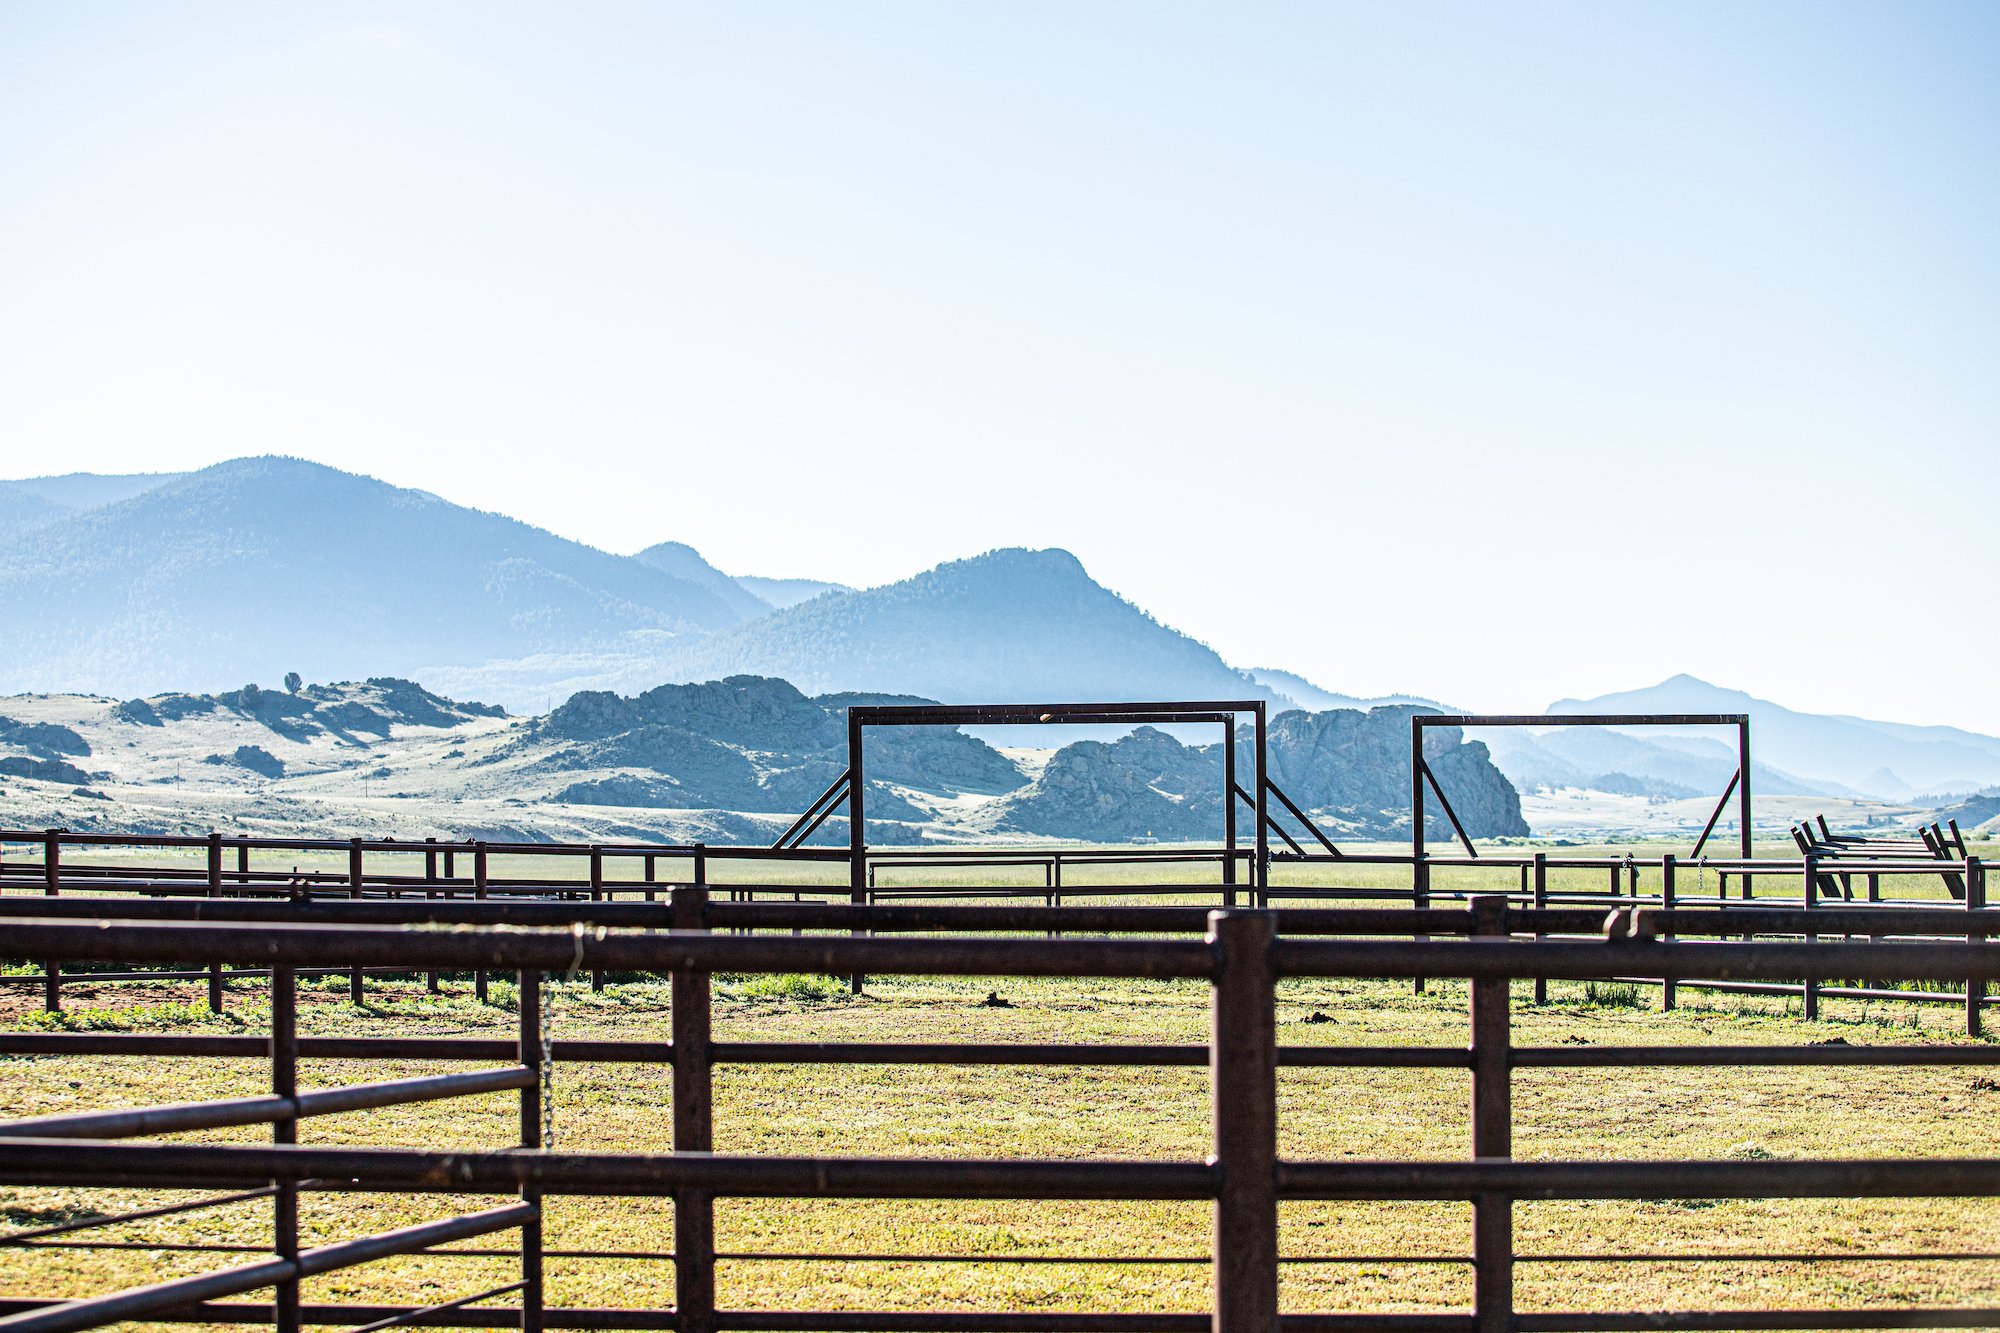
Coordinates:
x,y
1349,769
1353,768
748,712
373,707
42,770
1146,784
251,759
1485,801
46,739
752,744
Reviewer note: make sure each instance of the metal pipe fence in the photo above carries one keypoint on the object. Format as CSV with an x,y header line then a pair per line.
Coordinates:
x,y
436,873
1242,956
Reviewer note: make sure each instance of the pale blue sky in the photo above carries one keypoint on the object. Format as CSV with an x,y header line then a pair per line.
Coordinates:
x,y
1460,349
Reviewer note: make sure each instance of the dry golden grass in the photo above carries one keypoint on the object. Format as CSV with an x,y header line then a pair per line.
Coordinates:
x,y
1085,1112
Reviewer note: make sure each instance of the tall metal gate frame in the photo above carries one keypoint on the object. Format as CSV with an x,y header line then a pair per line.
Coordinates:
x,y
850,788
1422,776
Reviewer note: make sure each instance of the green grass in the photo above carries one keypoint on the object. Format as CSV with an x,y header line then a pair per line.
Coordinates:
x,y
1083,1112
162,1016
791,986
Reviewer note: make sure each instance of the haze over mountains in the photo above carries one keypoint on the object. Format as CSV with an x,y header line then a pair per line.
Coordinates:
x,y
1889,760
259,566
130,585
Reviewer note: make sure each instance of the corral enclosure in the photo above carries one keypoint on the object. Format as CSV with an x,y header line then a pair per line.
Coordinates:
x,y
1011,1255
694,1087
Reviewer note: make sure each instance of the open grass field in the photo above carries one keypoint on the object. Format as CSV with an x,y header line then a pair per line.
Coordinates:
x,y
1406,1251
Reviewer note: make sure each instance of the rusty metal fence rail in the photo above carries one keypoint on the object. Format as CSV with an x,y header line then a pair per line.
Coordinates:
x,y
1243,955
389,871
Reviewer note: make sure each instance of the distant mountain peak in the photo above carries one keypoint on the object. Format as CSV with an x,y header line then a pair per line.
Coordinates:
x,y
1679,693
261,565
1883,759
1051,558
1006,625
684,562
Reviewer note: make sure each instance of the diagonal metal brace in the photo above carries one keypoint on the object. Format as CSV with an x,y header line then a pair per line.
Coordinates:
x,y
1720,806
1449,813
816,814
1269,822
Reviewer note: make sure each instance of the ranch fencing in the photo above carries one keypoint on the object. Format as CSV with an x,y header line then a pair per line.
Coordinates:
x,y
241,869
1243,955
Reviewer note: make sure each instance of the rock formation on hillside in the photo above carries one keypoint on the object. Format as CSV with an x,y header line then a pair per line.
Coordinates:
x,y
752,743
1355,767
370,708
1349,770
1143,784
732,760
45,739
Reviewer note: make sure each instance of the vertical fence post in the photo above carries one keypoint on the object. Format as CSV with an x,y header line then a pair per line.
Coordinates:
x,y
1420,898
354,891
529,996
596,895
1243,1089
51,886
214,891
1228,812
1260,872
479,891
430,891
1668,992
1541,877
285,1083
1975,901
1810,900
694,1127
1492,1130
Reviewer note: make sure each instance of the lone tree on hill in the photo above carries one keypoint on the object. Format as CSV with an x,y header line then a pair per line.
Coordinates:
x,y
293,682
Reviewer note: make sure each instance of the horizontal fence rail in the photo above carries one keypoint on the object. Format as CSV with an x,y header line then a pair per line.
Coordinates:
x,y
1241,955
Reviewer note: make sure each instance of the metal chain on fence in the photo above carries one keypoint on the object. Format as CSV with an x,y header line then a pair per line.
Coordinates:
x,y
549,1035
548,1061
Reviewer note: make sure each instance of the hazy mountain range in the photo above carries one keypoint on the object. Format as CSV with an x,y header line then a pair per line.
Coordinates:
x,y
1886,759
128,585
259,566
